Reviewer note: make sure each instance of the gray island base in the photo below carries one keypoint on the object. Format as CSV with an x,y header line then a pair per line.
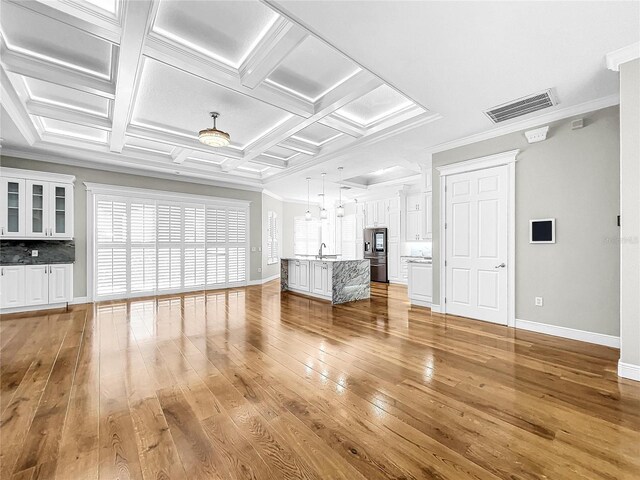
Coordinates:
x,y
339,281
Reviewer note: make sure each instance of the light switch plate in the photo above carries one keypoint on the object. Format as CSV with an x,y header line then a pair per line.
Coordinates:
x,y
253,249
34,253
539,301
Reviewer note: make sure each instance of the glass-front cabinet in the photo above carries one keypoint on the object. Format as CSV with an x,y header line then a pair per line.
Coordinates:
x,y
36,206
13,207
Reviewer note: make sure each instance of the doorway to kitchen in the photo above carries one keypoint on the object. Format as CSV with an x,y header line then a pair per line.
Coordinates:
x,y
477,238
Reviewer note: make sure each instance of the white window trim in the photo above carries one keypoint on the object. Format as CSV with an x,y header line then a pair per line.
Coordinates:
x,y
94,189
499,159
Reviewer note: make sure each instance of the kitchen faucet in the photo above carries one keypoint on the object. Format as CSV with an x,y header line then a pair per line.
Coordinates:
x,y
320,251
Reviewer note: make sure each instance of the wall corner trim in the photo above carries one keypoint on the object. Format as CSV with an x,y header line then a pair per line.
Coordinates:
x,y
622,55
629,370
571,333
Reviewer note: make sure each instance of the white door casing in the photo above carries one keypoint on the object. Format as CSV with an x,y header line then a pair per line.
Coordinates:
x,y
477,236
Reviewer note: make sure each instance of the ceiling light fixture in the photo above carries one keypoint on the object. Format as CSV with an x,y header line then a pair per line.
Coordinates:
x,y
214,137
340,209
307,214
323,213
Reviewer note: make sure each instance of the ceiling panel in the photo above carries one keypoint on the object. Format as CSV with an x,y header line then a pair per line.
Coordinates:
x,y
374,106
225,31
53,41
149,146
312,70
202,157
280,152
54,94
172,100
58,127
254,167
317,134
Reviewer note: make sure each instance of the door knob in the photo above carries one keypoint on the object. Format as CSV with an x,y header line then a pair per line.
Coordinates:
x,y
502,265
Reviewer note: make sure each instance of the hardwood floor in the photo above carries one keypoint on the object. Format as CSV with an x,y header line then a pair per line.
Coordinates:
x,y
249,384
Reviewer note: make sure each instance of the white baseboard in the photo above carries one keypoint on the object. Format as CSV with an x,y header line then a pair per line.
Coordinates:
x,y
263,280
629,370
79,300
572,333
435,308
32,308
420,303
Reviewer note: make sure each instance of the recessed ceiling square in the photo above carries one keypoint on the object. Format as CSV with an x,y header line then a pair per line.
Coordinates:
x,y
317,134
226,31
54,94
312,70
280,153
149,146
203,157
174,101
374,106
53,41
58,127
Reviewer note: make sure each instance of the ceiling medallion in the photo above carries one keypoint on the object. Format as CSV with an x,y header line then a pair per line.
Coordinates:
x,y
214,137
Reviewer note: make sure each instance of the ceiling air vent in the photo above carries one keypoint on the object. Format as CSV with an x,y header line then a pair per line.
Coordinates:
x,y
520,107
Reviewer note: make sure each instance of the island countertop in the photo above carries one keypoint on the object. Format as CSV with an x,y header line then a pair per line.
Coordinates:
x,y
333,279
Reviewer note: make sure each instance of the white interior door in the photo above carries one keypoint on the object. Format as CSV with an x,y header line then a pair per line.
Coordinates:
x,y
477,244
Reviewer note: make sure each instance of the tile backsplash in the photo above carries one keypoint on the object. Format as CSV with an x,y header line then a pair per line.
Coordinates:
x,y
19,252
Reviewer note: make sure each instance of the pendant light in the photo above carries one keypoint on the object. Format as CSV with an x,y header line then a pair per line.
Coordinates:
x,y
212,136
340,209
307,214
323,213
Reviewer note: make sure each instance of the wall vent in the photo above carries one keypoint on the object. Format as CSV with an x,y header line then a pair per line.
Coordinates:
x,y
521,106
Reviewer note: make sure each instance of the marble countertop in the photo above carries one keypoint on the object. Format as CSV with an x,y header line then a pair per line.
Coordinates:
x,y
332,260
419,260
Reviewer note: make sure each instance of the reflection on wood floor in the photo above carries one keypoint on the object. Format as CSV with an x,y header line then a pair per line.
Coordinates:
x,y
246,383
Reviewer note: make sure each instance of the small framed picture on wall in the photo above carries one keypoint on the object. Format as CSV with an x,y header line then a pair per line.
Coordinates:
x,y
542,230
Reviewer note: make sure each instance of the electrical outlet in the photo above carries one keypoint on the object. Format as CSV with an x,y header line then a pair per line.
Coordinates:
x,y
253,249
259,269
34,253
539,301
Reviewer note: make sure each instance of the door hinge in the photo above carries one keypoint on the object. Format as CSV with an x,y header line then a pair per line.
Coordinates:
x,y
445,226
445,299
445,263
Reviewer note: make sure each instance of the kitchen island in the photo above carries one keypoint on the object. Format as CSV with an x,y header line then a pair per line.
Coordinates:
x,y
339,281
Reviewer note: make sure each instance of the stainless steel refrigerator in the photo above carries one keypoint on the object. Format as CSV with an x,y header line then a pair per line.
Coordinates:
x,y
375,249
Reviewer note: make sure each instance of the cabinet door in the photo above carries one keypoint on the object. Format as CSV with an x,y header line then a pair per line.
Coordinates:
x,y
37,208
420,282
371,219
294,271
303,276
60,210
393,258
12,204
318,282
404,269
60,283
37,285
12,283
382,212
394,226
328,280
414,225
414,202
428,216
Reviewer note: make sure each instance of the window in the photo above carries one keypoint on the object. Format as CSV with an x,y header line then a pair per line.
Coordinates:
x,y
306,236
272,238
149,246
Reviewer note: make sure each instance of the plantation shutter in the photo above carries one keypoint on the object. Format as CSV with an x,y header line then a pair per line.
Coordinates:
x,y
169,247
111,247
194,246
143,247
216,246
237,250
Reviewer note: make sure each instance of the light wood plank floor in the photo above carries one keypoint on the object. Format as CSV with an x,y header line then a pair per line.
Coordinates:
x,y
249,384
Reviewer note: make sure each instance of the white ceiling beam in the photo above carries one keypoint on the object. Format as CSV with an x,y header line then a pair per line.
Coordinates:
x,y
16,110
50,72
179,155
134,29
206,69
343,126
83,19
271,52
272,162
300,146
47,110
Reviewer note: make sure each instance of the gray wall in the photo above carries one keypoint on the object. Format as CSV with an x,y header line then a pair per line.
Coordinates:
x,y
573,176
100,176
270,204
630,212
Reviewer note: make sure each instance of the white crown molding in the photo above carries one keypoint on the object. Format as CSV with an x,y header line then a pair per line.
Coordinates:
x,y
272,195
119,190
489,161
572,333
128,165
57,112
622,55
549,117
629,370
33,175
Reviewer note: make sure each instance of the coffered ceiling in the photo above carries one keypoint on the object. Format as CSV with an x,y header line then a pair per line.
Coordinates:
x,y
302,87
132,83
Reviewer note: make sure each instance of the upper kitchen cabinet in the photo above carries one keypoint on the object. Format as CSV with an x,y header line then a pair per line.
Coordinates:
x,y
419,223
36,205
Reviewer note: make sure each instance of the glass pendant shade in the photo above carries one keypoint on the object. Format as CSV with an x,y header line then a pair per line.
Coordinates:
x,y
340,211
212,136
324,214
307,215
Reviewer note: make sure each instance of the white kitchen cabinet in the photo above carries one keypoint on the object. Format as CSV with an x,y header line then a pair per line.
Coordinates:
x,y
393,261
36,204
12,207
419,220
394,226
414,225
420,283
303,276
60,283
33,285
36,285
321,282
12,283
404,270
428,216
414,202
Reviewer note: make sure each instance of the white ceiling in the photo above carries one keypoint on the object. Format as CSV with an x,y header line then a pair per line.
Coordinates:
x,y
302,87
